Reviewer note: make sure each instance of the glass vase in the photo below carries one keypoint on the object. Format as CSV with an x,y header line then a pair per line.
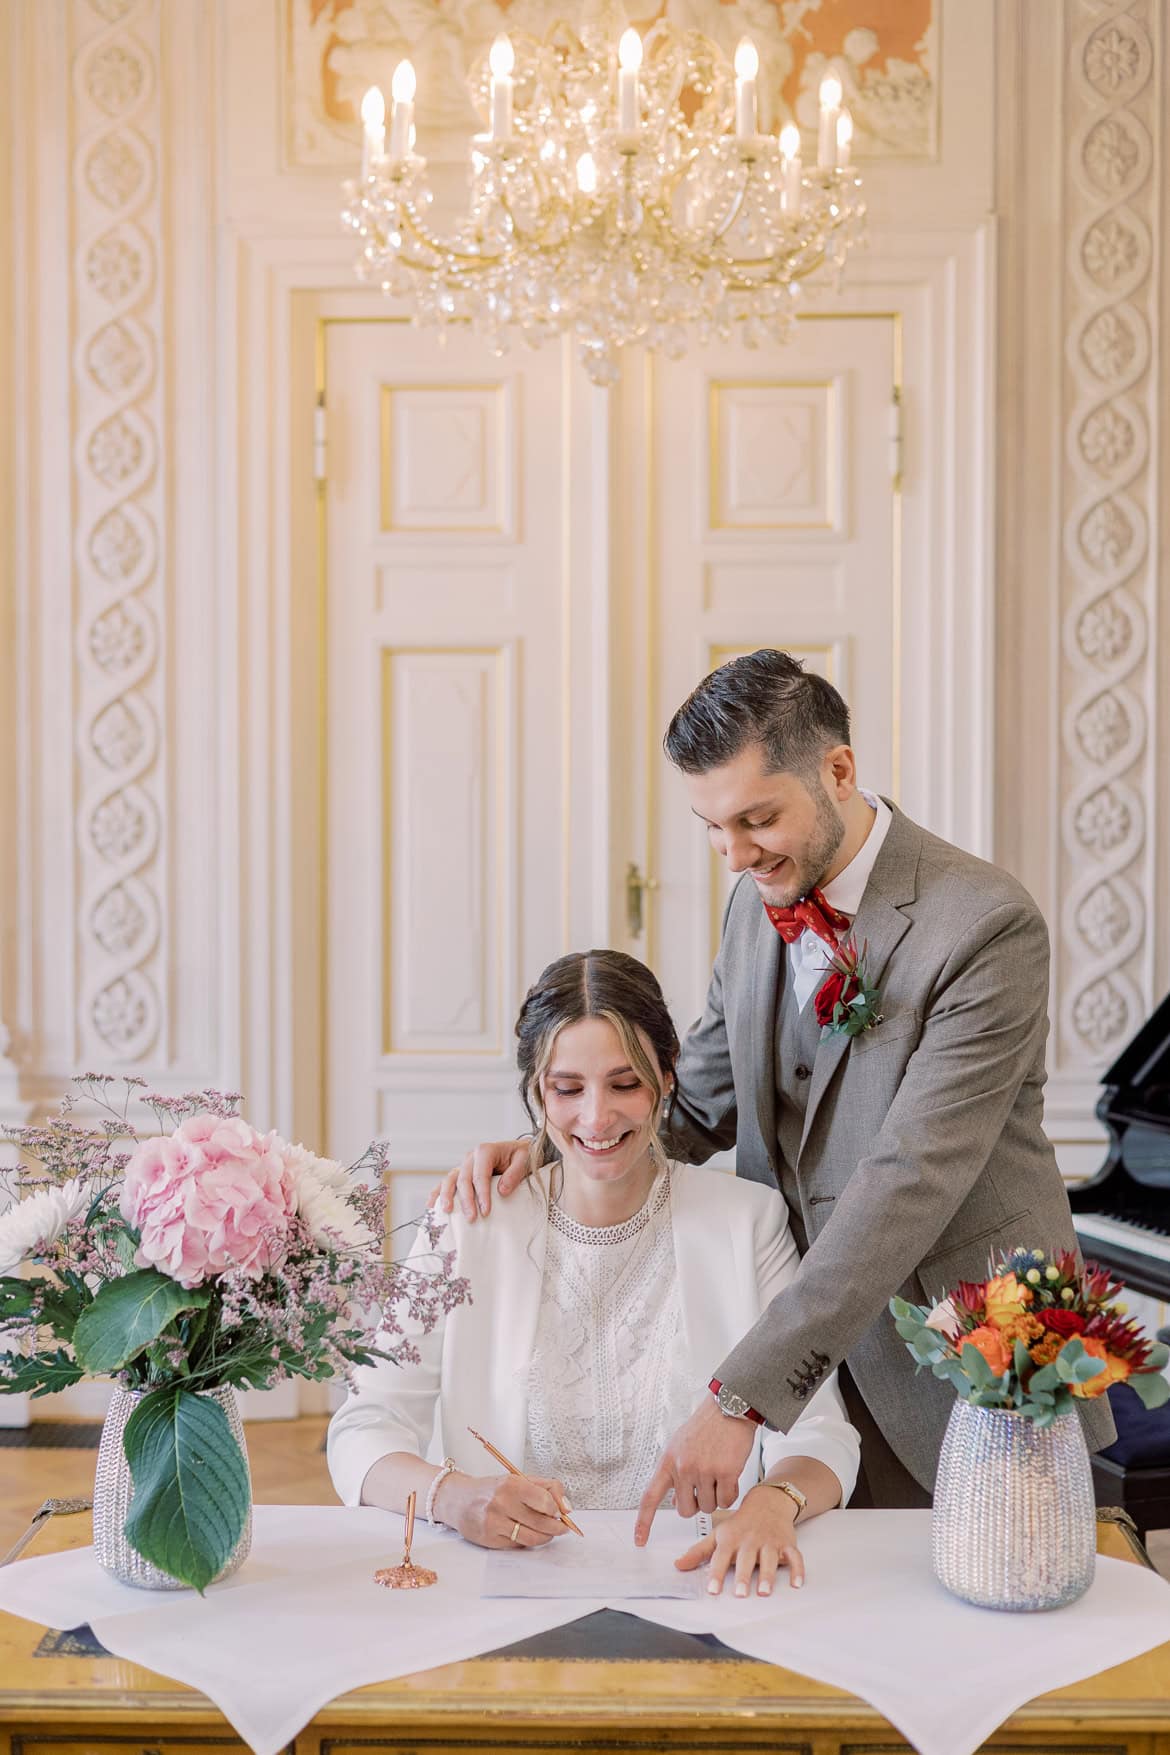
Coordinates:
x,y
1014,1525
113,1492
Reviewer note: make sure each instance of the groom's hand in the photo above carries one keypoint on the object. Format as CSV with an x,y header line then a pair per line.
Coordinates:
x,y
472,1182
702,1462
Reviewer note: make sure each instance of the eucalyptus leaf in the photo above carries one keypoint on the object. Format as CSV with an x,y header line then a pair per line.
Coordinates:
x,y
191,1484
1150,1387
1158,1357
127,1315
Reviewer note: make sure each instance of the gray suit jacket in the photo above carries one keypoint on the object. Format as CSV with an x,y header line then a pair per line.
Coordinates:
x,y
923,1146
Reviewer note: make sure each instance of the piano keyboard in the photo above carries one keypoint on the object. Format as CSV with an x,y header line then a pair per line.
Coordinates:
x,y
1122,1234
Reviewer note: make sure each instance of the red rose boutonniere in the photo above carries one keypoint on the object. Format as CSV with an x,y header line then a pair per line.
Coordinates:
x,y
845,1003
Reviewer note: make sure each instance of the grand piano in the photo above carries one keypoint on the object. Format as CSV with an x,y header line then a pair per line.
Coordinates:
x,y
1122,1214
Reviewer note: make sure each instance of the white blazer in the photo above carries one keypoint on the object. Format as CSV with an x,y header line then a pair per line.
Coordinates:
x,y
733,1253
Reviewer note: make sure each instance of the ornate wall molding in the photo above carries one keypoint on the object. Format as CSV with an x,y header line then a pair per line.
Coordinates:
x,y
116,235
1113,99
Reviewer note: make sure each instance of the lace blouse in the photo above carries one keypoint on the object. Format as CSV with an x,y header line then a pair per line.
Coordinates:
x,y
604,1386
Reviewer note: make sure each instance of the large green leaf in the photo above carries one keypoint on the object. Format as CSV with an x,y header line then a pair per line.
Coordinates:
x,y
191,1486
127,1315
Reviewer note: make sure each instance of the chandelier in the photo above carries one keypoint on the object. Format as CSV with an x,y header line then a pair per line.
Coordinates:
x,y
620,193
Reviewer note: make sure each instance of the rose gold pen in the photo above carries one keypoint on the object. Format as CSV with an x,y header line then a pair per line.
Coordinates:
x,y
513,1470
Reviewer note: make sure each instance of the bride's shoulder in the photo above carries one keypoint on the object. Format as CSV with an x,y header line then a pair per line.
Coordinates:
x,y
736,1196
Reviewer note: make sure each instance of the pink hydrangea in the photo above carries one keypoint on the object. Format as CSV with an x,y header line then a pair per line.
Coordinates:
x,y
213,1195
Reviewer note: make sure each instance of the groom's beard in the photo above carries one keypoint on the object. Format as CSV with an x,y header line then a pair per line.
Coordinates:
x,y
809,870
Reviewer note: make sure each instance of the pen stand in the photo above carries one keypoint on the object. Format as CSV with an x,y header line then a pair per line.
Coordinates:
x,y
406,1575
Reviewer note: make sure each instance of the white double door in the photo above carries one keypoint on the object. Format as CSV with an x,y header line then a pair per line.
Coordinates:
x,y
523,577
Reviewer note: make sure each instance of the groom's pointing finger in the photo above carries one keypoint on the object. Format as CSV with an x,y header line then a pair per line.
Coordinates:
x,y
652,1498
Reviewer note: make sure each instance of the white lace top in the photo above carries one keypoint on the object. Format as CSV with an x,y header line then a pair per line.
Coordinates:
x,y
605,1390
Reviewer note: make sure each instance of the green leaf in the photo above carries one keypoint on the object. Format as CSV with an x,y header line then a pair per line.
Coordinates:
x,y
1047,1378
1021,1359
1158,1357
977,1368
16,1296
191,1484
1150,1387
39,1373
127,1315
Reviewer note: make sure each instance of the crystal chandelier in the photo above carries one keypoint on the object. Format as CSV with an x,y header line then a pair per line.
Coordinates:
x,y
618,197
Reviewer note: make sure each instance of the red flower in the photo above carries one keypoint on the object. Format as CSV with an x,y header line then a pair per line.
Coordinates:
x,y
836,988
1062,1322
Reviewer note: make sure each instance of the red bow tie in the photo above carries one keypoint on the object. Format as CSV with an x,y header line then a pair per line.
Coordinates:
x,y
813,914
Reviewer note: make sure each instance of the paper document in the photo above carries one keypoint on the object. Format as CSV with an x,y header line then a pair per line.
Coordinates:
x,y
604,1564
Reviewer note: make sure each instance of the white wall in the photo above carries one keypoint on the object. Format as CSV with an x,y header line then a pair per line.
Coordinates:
x,y
155,592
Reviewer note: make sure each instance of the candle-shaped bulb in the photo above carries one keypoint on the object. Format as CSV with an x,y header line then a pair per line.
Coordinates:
x,y
844,138
629,61
402,113
827,132
630,50
501,60
747,59
373,109
373,128
586,174
747,65
790,152
501,57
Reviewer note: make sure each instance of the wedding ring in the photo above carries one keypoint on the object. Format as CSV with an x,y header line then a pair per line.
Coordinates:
x,y
515,1531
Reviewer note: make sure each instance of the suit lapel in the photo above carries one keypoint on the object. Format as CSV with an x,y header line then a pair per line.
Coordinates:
x,y
768,974
880,926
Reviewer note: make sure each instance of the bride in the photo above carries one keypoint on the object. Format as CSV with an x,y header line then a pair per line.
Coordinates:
x,y
597,1304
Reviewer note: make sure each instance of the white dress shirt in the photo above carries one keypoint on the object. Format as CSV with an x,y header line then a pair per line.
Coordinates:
x,y
808,955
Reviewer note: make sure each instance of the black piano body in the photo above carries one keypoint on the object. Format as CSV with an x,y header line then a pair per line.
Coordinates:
x,y
1122,1214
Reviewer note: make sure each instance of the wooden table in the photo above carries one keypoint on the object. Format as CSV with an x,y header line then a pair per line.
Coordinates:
x,y
54,1703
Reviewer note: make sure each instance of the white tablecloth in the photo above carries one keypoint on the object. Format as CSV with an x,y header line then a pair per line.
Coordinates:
x,y
302,1622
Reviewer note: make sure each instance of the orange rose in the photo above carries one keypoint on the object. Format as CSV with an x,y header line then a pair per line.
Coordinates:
x,y
1116,1370
995,1349
1005,1299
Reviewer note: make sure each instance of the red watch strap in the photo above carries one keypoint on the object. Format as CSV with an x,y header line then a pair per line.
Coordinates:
x,y
748,1414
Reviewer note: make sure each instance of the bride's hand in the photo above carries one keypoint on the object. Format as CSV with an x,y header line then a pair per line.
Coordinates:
x,y
486,1508
761,1533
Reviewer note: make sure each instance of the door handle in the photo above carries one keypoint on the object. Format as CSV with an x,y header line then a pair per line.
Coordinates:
x,y
636,887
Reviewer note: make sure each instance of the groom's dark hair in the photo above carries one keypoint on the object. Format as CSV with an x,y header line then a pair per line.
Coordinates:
x,y
764,697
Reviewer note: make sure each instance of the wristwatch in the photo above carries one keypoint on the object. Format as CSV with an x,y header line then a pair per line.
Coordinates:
x,y
793,1492
733,1405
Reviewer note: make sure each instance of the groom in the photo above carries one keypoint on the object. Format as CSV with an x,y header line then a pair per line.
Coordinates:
x,y
907,1153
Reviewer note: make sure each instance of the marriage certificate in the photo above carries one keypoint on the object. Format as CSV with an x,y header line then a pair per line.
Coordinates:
x,y
603,1564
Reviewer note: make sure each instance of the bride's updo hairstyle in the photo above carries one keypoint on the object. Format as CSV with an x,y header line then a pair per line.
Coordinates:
x,y
596,984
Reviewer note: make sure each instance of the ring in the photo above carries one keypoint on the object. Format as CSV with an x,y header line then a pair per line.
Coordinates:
x,y
515,1531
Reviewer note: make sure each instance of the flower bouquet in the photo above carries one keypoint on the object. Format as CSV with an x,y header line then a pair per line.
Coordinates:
x,y
1014,1517
187,1264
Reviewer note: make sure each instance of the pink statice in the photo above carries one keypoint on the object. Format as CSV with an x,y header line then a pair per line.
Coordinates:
x,y
212,1196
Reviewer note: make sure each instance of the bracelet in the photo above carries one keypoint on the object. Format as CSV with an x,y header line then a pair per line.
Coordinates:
x,y
789,1490
448,1468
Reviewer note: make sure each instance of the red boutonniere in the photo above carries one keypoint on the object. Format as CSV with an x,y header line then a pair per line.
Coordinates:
x,y
845,1003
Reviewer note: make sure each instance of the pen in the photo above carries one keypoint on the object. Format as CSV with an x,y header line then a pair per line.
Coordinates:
x,y
513,1470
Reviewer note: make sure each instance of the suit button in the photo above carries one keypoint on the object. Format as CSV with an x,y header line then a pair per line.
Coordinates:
x,y
803,1072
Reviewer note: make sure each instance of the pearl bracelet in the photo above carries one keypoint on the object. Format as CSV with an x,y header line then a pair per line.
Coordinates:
x,y
448,1468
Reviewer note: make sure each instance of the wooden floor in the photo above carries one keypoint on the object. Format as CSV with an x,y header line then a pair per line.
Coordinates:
x,y
288,1468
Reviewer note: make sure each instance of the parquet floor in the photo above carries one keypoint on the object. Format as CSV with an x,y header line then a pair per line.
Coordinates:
x,y
288,1468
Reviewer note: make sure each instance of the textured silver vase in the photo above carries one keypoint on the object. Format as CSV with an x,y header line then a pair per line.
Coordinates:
x,y
1014,1525
113,1491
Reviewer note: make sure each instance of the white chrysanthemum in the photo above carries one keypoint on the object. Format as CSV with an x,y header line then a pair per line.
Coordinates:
x,y
320,1185
39,1219
326,1171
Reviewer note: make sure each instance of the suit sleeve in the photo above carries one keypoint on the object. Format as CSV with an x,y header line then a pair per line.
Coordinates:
x,y
823,1429
983,1034
704,1118
389,1407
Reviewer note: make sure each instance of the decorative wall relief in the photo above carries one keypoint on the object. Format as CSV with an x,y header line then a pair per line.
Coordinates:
x,y
118,413
1112,102
886,52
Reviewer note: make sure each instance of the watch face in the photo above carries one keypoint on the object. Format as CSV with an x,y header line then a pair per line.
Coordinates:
x,y
732,1404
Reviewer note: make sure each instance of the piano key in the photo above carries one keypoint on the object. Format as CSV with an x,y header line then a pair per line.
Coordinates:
x,y
1138,1239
